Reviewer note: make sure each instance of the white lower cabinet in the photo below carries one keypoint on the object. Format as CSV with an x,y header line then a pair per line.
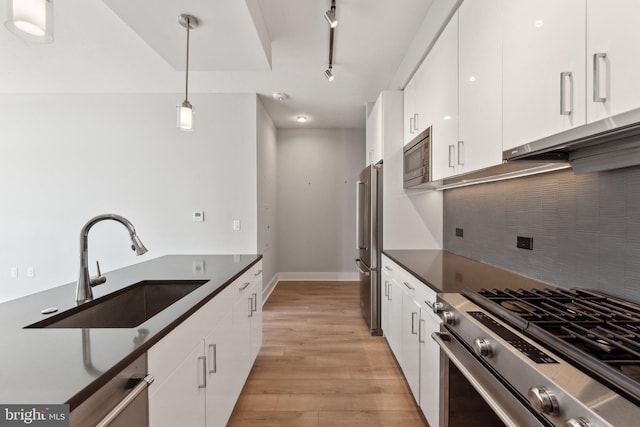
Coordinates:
x,y
201,366
408,322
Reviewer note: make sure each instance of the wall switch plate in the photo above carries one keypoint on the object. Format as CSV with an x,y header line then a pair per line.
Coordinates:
x,y
31,272
198,216
525,243
13,272
459,232
236,225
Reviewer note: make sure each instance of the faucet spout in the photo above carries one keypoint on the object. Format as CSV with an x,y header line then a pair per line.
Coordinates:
x,y
85,282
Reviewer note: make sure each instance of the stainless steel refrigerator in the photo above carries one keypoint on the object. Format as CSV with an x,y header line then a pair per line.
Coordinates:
x,y
369,243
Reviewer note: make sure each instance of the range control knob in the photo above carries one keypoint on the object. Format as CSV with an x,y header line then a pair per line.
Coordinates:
x,y
482,347
543,400
448,318
437,307
577,422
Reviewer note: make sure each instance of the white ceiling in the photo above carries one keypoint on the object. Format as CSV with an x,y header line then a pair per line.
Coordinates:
x,y
260,46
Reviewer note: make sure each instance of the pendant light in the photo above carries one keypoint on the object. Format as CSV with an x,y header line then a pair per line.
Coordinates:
x,y
185,110
330,15
31,20
331,18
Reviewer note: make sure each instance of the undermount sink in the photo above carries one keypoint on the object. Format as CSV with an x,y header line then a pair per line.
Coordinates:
x,y
126,308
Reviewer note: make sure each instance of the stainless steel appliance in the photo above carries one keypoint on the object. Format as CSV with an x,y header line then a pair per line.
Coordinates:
x,y
369,243
417,160
544,357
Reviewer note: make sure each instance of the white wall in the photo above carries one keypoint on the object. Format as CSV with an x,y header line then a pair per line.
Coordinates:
x,y
66,158
267,196
317,171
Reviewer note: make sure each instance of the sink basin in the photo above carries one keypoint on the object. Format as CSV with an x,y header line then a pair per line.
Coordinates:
x,y
126,308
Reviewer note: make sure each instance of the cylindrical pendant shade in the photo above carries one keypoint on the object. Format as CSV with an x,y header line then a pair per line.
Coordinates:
x,y
185,116
31,20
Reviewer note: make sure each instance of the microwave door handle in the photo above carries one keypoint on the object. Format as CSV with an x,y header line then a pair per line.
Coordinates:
x,y
359,230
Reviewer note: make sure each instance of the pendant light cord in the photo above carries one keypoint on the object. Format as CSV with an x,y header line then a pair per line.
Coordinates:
x,y
186,84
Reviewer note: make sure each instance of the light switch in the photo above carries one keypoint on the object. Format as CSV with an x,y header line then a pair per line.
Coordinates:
x,y
31,272
198,216
13,272
236,225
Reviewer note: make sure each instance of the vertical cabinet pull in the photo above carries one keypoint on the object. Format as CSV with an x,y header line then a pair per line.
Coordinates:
x,y
390,292
599,93
213,351
414,316
461,153
204,371
566,93
452,155
254,306
411,125
250,300
415,122
421,325
386,289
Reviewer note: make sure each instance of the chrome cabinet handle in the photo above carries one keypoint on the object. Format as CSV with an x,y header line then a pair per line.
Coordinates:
x,y
421,330
254,307
409,286
598,58
250,307
414,316
452,155
257,273
461,153
386,289
429,304
386,267
213,350
411,125
244,286
566,90
415,122
390,292
124,403
360,238
204,372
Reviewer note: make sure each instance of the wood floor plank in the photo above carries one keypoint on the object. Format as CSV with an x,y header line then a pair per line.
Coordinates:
x,y
319,366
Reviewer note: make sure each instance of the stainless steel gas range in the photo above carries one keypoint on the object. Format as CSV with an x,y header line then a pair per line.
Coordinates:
x,y
541,357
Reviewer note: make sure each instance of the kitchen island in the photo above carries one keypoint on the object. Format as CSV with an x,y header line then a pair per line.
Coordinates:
x,y
68,365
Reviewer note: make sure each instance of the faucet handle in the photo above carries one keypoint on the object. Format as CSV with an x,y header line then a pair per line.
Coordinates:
x,y
99,279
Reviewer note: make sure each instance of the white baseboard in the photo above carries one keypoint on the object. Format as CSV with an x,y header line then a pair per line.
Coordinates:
x,y
266,292
319,277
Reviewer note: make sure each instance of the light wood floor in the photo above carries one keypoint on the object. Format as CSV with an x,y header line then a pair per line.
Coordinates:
x,y
319,366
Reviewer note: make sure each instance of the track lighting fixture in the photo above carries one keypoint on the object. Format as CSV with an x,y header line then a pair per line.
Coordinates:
x,y
185,110
328,74
330,15
31,20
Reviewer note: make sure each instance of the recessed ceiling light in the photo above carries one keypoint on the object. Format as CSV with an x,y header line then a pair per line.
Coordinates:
x,y
301,119
280,96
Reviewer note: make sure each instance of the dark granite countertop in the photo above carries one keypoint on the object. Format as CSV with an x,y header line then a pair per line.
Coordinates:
x,y
447,272
47,366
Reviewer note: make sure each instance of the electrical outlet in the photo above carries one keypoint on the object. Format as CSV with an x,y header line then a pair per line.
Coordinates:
x,y
524,243
459,232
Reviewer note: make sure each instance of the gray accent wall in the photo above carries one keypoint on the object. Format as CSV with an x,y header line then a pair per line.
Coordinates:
x,y
585,228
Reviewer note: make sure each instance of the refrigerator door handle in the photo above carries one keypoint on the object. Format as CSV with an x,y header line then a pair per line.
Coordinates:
x,y
360,234
366,272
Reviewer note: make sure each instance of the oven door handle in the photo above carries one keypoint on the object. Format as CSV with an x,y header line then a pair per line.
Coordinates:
x,y
441,338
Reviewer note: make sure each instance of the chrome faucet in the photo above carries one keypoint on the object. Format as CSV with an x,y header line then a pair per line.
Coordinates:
x,y
85,282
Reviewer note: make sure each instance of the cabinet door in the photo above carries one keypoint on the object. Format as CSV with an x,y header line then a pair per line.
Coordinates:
x,y
256,319
479,85
385,306
242,335
543,68
409,103
394,331
410,361
612,57
180,401
429,367
374,133
220,398
440,97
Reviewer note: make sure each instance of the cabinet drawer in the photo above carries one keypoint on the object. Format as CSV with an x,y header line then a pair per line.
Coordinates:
x,y
244,283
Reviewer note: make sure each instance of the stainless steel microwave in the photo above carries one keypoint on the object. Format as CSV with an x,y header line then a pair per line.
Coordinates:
x,y
417,160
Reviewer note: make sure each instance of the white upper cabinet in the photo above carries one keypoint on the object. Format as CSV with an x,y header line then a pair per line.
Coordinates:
x,y
440,92
543,68
479,85
613,63
374,134
414,106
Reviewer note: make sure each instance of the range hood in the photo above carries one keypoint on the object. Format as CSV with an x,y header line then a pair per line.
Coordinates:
x,y
611,143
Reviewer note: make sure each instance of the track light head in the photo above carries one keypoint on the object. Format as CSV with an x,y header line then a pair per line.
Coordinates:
x,y
330,16
328,74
